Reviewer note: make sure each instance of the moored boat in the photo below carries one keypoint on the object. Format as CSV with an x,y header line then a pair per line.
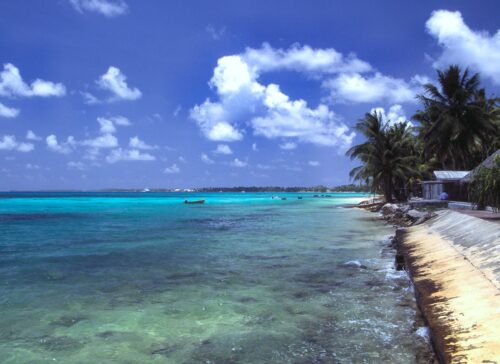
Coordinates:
x,y
194,202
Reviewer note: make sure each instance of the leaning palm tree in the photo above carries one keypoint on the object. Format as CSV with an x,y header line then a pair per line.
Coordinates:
x,y
369,152
387,155
457,119
404,160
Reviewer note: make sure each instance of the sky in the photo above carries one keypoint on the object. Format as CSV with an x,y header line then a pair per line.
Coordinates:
x,y
176,94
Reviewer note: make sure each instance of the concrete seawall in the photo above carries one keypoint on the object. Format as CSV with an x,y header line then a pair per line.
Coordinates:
x,y
454,262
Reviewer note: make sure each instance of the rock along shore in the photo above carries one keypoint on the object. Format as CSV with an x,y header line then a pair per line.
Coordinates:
x,y
454,263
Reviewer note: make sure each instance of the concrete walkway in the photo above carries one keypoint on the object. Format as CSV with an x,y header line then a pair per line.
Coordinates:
x,y
485,215
454,261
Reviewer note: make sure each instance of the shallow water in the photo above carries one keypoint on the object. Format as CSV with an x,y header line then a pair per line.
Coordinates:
x,y
135,278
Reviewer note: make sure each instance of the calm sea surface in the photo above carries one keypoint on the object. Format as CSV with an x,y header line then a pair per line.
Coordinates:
x,y
141,277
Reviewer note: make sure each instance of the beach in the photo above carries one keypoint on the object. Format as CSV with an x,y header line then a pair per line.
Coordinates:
x,y
142,277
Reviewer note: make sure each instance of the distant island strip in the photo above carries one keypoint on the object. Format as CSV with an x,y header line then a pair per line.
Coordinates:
x,y
319,188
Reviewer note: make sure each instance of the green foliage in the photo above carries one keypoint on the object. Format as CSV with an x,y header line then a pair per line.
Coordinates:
x,y
351,188
459,125
388,156
484,189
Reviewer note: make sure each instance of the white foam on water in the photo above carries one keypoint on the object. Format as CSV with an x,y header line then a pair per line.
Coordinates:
x,y
423,332
352,263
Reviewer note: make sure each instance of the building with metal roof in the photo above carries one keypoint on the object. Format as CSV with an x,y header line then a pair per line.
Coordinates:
x,y
450,182
454,183
450,175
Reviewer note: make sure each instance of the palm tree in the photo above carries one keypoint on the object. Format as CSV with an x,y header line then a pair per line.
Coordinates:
x,y
387,155
491,109
402,144
457,119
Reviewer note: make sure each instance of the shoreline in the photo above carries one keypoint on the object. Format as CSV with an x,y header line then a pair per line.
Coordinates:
x,y
444,259
390,250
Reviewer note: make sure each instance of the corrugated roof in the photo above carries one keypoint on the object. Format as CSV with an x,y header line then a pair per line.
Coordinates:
x,y
445,175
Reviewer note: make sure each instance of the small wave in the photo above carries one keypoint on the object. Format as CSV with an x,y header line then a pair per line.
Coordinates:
x,y
424,332
354,264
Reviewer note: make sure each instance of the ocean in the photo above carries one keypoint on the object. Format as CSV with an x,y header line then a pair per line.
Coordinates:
x,y
243,278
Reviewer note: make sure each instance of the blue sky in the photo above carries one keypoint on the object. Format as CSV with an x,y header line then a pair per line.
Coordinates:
x,y
127,93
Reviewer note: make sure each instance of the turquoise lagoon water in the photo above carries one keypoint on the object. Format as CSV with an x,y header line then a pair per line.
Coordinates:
x,y
141,277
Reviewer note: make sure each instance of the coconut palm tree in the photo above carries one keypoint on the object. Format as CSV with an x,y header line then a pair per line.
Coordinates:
x,y
491,109
404,158
457,119
388,157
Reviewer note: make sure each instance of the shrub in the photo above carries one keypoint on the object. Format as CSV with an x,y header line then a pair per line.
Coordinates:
x,y
484,188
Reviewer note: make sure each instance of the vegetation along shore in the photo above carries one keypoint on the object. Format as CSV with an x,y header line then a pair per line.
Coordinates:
x,y
445,175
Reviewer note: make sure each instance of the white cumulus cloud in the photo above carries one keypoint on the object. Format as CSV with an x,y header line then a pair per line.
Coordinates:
x,y
396,114
107,125
120,120
137,143
294,119
210,118
115,82
303,59
120,154
30,135
224,132
25,147
9,142
63,148
314,163
357,88
464,46
102,141
13,85
238,163
8,112
223,149
243,101
206,159
172,169
89,98
108,8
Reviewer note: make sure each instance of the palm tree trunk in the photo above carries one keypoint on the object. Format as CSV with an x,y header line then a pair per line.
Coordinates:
x,y
388,188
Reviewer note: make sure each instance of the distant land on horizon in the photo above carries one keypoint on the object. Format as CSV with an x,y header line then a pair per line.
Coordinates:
x,y
318,188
